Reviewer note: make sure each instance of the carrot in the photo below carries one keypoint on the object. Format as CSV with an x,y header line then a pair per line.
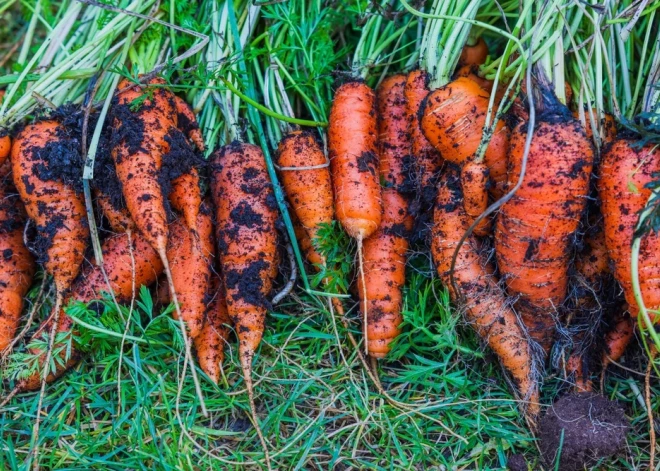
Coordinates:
x,y
618,338
16,265
607,126
427,158
57,209
625,171
472,72
486,306
474,54
187,122
578,369
452,119
475,181
211,341
353,159
139,145
118,265
384,275
534,228
380,289
190,260
5,139
246,213
119,219
306,180
186,197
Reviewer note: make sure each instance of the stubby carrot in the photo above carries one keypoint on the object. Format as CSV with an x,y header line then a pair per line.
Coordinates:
x,y
353,159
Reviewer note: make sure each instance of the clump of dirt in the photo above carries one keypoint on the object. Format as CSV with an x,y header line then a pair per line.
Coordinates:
x,y
516,463
593,428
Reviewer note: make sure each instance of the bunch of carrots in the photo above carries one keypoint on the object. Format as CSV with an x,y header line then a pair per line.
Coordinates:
x,y
412,148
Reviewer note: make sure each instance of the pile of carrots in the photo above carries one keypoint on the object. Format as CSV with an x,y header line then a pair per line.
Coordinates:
x,y
395,154
216,255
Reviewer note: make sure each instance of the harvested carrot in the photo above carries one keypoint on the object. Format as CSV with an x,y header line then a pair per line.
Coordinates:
x,y
380,290
246,212
5,139
534,228
427,158
475,181
51,200
384,275
16,265
475,287
353,159
118,266
453,118
618,338
625,171
472,72
119,219
306,180
474,54
607,126
191,259
139,139
187,123
213,337
186,197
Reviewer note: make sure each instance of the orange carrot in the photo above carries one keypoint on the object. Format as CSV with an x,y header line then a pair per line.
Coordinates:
x,y
5,140
625,171
139,138
211,341
246,213
187,122
353,159
607,125
475,287
16,265
55,206
190,260
475,54
380,290
306,180
427,158
118,265
618,338
534,228
452,119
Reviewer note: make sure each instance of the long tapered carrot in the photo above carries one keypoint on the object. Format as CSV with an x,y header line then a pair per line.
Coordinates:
x,y
384,252
534,228
16,265
473,285
191,258
211,341
353,159
140,126
246,213
55,206
427,159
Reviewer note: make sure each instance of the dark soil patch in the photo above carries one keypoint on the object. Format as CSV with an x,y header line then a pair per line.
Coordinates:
x,y
593,426
516,463
248,284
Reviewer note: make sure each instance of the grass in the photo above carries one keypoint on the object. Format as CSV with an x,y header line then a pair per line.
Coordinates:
x,y
317,406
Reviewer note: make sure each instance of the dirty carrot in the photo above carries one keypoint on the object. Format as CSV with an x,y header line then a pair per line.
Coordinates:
x,y
246,213
473,285
16,265
534,228
191,259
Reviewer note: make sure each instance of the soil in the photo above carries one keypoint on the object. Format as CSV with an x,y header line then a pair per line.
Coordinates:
x,y
516,463
593,428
